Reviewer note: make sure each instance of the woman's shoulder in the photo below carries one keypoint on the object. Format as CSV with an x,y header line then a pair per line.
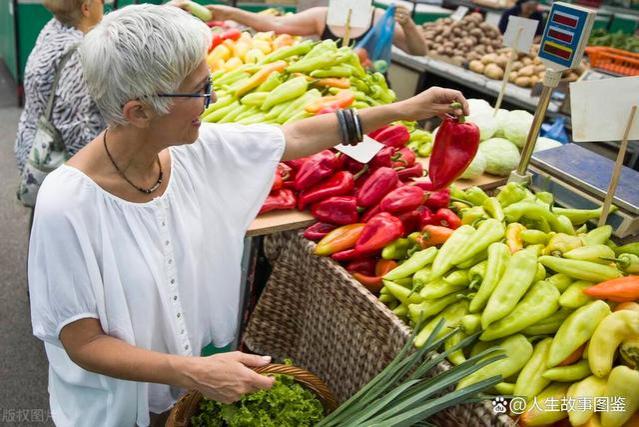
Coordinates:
x,y
65,189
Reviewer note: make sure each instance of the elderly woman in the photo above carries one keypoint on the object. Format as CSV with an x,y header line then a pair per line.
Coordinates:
x,y
75,115
134,261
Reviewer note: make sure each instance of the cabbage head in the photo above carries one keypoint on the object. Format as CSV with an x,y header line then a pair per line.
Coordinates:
x,y
479,106
501,117
486,123
516,126
476,168
501,156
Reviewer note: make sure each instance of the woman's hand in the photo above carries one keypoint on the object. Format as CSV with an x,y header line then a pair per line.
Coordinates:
x,y
220,12
225,377
402,15
435,101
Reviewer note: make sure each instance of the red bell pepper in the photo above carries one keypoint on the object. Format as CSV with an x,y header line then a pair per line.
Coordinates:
x,y
380,183
318,231
456,144
415,171
447,218
405,158
231,34
346,255
284,171
438,200
412,221
376,132
372,283
382,229
296,164
340,184
371,213
402,199
316,168
352,165
394,136
384,158
340,239
428,218
280,199
278,183
364,266
340,210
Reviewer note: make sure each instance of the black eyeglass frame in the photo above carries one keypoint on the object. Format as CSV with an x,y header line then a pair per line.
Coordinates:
x,y
207,95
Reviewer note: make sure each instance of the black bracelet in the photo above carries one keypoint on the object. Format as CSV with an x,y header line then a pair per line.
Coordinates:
x,y
358,126
352,129
341,121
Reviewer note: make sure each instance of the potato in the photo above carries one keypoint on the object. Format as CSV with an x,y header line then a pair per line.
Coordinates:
x,y
476,66
537,61
534,80
493,71
513,76
439,39
441,50
488,59
539,68
527,71
502,60
522,81
432,52
518,65
527,61
542,76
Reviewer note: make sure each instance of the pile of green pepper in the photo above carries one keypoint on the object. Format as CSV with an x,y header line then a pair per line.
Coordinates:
x,y
517,274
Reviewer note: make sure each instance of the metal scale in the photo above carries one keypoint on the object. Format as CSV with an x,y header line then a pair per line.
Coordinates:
x,y
577,177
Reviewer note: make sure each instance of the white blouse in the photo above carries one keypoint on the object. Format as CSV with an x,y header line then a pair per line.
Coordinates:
x,y
162,275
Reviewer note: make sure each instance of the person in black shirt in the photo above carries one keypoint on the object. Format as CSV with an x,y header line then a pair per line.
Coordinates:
x,y
523,9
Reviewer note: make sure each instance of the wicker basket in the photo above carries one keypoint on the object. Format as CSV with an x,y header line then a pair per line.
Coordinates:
x,y
314,312
189,404
615,60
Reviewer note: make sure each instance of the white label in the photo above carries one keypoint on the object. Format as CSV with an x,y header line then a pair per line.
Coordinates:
x,y
600,109
522,27
362,152
361,13
458,14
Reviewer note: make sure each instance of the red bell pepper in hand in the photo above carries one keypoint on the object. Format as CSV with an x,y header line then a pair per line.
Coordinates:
x,y
382,229
318,231
405,158
316,168
380,183
438,200
447,218
364,266
280,199
340,184
412,221
415,171
340,239
402,199
340,210
456,144
394,136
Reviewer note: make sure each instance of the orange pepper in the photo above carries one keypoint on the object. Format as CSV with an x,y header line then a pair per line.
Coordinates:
x,y
341,100
513,237
260,77
372,283
433,235
340,239
343,83
383,266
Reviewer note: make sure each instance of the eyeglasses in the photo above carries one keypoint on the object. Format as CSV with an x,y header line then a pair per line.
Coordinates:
x,y
206,95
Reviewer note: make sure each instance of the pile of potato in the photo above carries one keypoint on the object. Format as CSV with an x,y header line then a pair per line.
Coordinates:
x,y
527,70
468,39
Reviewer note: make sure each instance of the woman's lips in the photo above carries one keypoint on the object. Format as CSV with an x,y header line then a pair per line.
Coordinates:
x,y
196,122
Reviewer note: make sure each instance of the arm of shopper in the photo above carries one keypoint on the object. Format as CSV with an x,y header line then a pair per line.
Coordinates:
x,y
408,37
315,134
299,24
224,377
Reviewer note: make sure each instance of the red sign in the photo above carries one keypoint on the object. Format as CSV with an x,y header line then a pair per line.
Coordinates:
x,y
560,35
568,20
557,51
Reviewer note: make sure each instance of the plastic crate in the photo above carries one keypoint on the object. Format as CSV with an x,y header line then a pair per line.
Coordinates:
x,y
616,60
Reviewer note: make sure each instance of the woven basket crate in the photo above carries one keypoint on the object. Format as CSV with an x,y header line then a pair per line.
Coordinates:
x,y
189,404
313,312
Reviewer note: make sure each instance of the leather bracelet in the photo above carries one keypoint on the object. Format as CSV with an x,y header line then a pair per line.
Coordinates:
x,y
358,126
352,127
341,121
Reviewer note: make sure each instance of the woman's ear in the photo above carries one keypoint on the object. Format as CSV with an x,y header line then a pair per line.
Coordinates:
x,y
85,8
137,114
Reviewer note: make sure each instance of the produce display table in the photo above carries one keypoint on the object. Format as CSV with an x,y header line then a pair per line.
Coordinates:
x,y
514,95
313,312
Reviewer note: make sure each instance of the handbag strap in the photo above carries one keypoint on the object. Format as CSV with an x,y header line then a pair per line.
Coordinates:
x,y
56,79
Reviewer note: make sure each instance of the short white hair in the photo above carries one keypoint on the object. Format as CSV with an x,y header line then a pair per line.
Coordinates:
x,y
139,51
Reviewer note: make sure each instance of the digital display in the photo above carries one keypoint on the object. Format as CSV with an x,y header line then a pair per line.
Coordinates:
x,y
566,30
557,50
565,19
561,35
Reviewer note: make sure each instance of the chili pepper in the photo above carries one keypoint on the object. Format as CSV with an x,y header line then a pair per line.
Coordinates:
x,y
416,262
421,278
405,158
379,231
393,136
447,218
286,52
280,199
443,260
587,389
258,78
439,288
340,184
341,83
560,281
346,255
287,91
505,389
314,169
472,215
512,193
363,265
216,115
610,332
629,263
561,243
583,270
456,144
396,249
543,411
540,274
415,171
550,325
383,266
297,105
411,220
372,283
565,225
451,315
433,235
570,373
517,278
400,311
335,71
402,199
430,308
476,274
438,199
378,185
493,208
498,259
630,248
513,237
534,237
470,323
574,297
517,350
403,294
476,196
576,330
622,385
540,302
534,211
318,231
488,232
575,356
455,357
341,100
339,210
425,149
339,240
580,216
530,381
598,236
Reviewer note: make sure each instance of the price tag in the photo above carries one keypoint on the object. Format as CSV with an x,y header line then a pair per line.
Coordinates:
x,y
458,14
524,28
600,109
362,12
594,75
362,152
